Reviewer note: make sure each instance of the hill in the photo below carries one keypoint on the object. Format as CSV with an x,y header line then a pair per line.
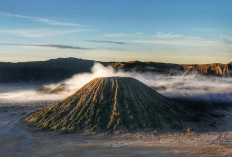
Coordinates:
x,y
214,69
162,68
110,104
55,70
43,71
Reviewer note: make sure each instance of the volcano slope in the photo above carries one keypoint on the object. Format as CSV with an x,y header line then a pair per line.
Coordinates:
x,y
110,104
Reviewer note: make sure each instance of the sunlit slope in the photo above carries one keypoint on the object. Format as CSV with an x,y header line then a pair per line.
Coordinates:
x,y
110,104
214,69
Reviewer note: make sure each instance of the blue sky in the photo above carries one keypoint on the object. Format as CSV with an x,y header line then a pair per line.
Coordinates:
x,y
177,31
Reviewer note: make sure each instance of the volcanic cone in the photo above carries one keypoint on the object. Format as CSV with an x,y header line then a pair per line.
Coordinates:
x,y
110,104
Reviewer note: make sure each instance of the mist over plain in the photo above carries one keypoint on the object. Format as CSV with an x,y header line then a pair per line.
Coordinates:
x,y
190,87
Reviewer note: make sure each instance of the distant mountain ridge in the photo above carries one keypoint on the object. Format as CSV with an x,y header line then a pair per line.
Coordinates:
x,y
214,69
55,70
162,68
42,71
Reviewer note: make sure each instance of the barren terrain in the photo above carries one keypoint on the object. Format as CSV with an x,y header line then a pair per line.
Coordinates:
x,y
16,140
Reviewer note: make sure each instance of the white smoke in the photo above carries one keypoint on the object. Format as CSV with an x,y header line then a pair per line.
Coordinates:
x,y
193,87
198,87
79,80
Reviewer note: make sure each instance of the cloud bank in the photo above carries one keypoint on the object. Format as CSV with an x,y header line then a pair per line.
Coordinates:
x,y
227,39
38,33
177,42
42,20
47,45
116,35
162,35
108,42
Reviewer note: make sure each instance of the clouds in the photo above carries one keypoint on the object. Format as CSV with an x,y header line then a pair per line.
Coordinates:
x,y
47,45
163,42
227,39
162,35
139,33
42,32
57,23
177,42
108,42
127,42
63,47
170,35
164,39
42,20
15,15
116,35
38,33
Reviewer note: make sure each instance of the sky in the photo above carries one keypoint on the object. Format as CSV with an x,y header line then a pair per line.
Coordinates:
x,y
173,31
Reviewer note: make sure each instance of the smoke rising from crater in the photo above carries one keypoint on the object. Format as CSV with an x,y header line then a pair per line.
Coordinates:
x,y
194,87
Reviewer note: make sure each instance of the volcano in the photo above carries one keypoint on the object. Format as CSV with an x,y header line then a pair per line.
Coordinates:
x,y
110,104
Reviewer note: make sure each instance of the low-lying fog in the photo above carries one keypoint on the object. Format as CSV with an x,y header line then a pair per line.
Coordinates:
x,y
193,87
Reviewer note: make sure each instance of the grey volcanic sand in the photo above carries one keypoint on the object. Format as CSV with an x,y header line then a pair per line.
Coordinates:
x,y
16,141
